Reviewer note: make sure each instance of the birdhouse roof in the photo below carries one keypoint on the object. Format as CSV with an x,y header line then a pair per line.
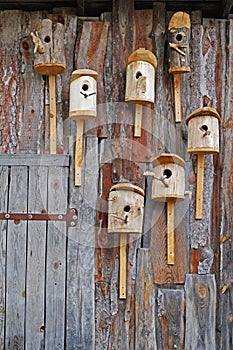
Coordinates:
x,y
127,187
81,72
142,55
204,111
168,158
180,20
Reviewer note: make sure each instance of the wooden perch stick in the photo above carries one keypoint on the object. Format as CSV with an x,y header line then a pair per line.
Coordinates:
x,y
53,114
200,185
170,232
176,78
78,152
123,266
138,120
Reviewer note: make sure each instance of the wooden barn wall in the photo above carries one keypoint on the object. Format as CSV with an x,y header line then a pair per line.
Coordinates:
x,y
185,306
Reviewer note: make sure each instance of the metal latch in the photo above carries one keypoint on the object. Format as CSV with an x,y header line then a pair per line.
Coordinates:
x,y
71,217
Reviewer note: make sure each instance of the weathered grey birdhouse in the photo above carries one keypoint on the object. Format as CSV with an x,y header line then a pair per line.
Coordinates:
x,y
140,77
203,131
49,48
169,178
126,204
83,92
178,40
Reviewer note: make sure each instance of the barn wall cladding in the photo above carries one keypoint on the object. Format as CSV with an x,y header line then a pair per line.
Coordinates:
x,y
60,276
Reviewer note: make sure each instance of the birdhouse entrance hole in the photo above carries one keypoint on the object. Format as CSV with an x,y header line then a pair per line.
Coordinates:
x,y
167,173
204,128
127,208
138,75
47,39
179,36
85,86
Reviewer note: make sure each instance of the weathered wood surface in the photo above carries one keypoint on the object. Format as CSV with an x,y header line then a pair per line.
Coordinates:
x,y
200,312
171,307
145,329
16,261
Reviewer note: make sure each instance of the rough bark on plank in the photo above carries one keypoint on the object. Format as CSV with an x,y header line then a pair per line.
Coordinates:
x,y
36,256
16,261
81,260
226,341
171,316
145,335
200,312
4,171
55,293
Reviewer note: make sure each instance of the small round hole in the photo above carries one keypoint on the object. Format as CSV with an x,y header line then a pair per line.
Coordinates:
x,y
85,87
204,127
138,75
47,39
167,173
127,208
42,329
179,37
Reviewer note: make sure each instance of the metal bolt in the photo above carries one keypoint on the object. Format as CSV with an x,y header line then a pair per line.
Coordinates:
x,y
60,217
7,216
75,217
72,223
29,216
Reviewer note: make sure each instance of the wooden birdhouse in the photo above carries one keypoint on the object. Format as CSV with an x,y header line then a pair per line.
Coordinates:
x,y
83,96
140,82
125,216
83,92
126,203
203,138
178,40
50,60
168,185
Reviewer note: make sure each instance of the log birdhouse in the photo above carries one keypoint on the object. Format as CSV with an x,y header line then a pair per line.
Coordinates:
x,y
178,41
125,216
50,60
203,138
140,82
168,185
83,92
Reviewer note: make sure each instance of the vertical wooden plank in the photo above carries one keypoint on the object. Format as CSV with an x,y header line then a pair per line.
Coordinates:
x,y
144,303
80,307
170,232
171,317
16,260
123,266
53,114
3,230
200,312
36,257
56,260
200,185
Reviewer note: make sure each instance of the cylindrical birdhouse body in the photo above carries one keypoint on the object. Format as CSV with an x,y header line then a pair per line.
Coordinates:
x,y
49,48
203,131
126,204
178,40
83,91
140,77
169,180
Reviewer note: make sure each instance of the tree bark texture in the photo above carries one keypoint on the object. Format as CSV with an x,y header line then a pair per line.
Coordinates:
x,y
153,315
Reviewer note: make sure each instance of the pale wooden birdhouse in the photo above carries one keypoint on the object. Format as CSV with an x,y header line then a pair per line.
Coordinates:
x,y
83,92
169,178
126,205
203,131
140,77
49,48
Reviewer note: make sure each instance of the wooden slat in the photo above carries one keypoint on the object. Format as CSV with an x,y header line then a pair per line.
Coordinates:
x,y
78,152
123,266
34,159
200,312
171,317
80,312
53,114
144,302
3,235
36,257
170,233
56,260
16,261
200,185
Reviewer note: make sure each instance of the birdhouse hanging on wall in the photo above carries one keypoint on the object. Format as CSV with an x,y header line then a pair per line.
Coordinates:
x,y
178,41
203,138
125,216
50,60
168,185
140,82
83,97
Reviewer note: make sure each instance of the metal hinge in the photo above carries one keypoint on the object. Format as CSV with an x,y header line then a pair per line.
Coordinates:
x,y
71,217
